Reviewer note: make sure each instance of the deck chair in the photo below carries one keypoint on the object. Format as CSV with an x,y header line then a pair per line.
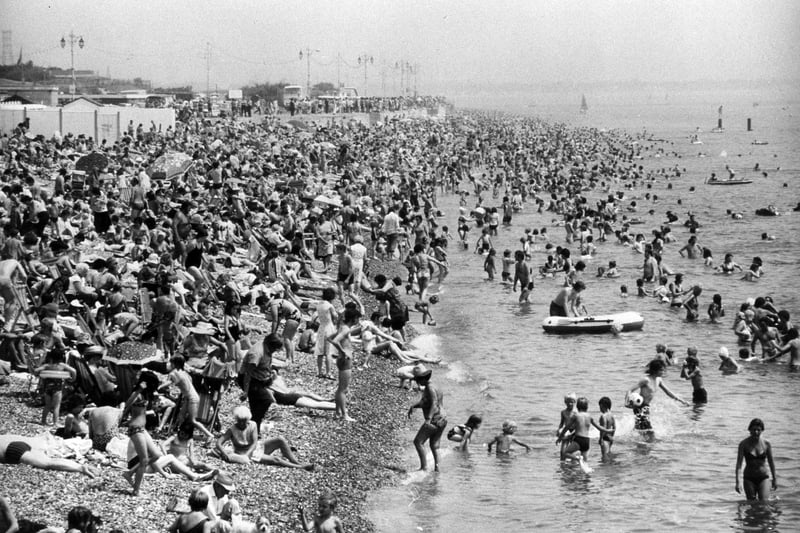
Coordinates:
x,y
32,363
85,380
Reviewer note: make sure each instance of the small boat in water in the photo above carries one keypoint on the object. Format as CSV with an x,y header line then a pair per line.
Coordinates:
x,y
729,182
628,321
759,143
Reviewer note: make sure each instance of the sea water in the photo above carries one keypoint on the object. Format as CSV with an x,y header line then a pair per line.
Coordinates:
x,y
501,364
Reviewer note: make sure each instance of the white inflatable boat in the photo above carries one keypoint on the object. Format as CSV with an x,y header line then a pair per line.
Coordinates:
x,y
628,321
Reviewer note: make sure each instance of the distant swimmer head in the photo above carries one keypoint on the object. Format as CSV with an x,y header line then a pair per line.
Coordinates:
x,y
723,353
434,299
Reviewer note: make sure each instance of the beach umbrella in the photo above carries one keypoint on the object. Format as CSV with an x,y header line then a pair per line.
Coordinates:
x,y
170,165
298,124
93,161
327,146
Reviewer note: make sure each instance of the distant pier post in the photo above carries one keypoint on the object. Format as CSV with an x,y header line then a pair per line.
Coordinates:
x,y
749,124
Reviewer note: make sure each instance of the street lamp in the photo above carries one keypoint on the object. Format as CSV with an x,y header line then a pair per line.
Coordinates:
x,y
365,59
72,40
309,51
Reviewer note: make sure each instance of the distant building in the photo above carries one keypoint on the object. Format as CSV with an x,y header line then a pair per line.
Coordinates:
x,y
38,94
80,103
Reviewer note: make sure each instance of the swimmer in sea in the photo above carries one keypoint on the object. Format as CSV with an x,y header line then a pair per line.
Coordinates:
x,y
756,453
753,273
692,249
791,346
505,439
647,387
729,265
715,308
579,423
692,305
568,300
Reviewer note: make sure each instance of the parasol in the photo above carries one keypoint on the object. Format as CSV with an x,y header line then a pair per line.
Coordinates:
x,y
132,353
170,165
93,161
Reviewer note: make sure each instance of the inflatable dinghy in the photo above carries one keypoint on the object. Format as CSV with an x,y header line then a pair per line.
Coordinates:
x,y
628,321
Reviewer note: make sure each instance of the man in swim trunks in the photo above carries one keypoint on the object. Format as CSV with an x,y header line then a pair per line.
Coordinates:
x,y
647,386
568,300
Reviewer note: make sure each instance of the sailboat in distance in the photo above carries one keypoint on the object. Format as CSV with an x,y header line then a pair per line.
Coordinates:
x,y
584,107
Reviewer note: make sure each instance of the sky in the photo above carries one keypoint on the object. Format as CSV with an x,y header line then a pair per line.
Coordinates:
x,y
448,43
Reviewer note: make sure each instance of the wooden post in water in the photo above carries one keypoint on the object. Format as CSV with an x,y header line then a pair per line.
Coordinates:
x,y
749,125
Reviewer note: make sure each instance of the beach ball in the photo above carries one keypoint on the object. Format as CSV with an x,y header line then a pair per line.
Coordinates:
x,y
635,399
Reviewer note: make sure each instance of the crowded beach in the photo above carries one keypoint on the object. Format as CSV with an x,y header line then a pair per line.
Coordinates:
x,y
211,328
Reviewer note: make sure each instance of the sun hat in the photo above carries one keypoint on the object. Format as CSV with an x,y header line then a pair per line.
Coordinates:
x,y
723,353
225,481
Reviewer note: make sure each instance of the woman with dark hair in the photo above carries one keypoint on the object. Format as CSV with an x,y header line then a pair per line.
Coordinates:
x,y
137,405
82,520
757,455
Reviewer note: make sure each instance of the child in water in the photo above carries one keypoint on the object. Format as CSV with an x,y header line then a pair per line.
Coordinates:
x,y
691,370
462,433
508,263
579,423
607,421
504,440
623,291
566,414
715,309
325,521
692,305
489,265
525,294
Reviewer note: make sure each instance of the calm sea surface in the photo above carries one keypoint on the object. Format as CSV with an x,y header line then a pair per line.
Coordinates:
x,y
500,363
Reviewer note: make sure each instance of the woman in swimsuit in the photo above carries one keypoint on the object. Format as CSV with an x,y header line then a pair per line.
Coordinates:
x,y
137,405
431,403
757,454
280,308
344,361
728,265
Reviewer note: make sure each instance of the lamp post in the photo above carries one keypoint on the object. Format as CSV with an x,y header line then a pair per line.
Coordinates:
x,y
365,59
72,40
309,51
406,70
